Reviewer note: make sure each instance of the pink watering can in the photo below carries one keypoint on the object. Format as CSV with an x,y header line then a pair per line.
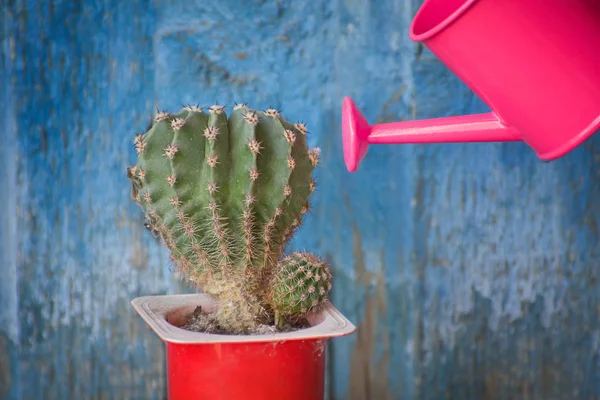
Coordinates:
x,y
535,63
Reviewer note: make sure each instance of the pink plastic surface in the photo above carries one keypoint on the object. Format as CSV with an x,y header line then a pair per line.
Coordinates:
x,y
535,63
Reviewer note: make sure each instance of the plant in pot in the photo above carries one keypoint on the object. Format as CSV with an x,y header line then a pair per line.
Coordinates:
x,y
225,195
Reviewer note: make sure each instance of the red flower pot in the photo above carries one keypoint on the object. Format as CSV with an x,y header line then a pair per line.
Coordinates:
x,y
282,366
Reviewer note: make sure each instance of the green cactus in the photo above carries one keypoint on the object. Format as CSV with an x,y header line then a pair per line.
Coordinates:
x,y
225,195
302,281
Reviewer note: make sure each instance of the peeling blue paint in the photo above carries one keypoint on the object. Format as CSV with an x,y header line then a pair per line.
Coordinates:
x,y
470,269
10,382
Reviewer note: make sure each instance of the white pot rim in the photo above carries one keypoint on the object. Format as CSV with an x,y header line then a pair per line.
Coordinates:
x,y
157,311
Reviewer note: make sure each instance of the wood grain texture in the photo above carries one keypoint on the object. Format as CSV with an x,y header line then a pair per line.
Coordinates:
x,y
81,83
471,270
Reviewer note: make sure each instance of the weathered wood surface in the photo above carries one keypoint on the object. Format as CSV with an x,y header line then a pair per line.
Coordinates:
x,y
471,270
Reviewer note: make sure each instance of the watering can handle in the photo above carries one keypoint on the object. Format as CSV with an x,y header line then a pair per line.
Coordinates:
x,y
357,134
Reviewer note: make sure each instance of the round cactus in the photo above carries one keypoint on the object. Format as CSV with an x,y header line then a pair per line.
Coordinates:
x,y
301,284
225,195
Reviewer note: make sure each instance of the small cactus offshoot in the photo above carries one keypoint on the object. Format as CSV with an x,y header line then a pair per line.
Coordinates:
x,y
225,195
302,281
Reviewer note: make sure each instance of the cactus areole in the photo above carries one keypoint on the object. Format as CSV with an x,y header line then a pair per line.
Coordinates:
x,y
225,194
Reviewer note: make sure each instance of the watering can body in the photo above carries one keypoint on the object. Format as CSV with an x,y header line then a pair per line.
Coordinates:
x,y
535,63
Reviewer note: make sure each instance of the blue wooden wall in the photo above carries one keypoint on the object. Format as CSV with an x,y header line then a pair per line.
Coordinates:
x,y
471,270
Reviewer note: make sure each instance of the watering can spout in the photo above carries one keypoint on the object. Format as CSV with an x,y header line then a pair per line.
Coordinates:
x,y
357,134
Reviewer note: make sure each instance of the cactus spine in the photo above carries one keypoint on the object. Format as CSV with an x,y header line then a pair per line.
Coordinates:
x,y
225,195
